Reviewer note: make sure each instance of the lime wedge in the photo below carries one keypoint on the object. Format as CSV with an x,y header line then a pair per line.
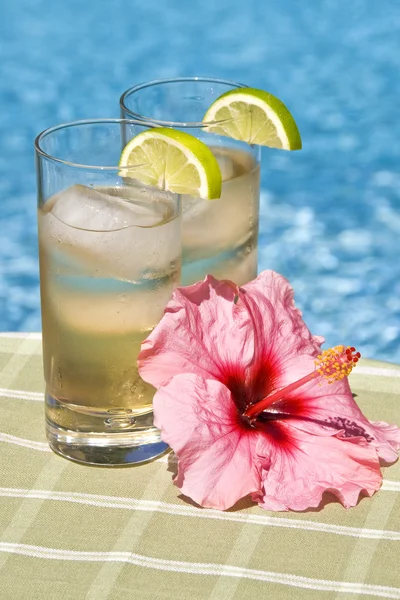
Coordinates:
x,y
255,117
172,160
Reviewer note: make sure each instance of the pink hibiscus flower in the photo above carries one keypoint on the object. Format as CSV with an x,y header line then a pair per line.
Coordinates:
x,y
242,404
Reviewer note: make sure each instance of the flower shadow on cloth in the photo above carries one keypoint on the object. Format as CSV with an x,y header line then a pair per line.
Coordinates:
x,y
220,350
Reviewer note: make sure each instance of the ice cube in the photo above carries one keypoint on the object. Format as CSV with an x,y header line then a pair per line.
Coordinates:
x,y
93,210
118,233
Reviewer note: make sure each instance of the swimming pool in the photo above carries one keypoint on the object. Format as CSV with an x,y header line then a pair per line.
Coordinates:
x,y
330,218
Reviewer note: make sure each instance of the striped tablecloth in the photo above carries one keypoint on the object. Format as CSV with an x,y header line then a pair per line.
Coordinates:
x,y
74,532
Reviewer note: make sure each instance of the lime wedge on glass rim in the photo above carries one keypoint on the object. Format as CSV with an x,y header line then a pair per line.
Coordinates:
x,y
255,117
172,160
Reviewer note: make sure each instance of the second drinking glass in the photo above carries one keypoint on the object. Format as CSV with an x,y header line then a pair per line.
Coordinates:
x,y
219,236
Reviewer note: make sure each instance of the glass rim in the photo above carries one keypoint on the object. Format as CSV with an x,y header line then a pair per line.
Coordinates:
x,y
182,124
43,134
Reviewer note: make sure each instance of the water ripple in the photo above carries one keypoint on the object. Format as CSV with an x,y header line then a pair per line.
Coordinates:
x,y
330,217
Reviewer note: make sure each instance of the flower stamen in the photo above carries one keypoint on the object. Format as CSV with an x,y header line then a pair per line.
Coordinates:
x,y
332,364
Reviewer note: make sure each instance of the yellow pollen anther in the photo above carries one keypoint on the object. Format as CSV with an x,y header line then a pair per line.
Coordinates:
x,y
336,363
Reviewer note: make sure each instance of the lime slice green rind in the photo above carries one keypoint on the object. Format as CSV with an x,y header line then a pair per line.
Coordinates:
x,y
172,160
254,116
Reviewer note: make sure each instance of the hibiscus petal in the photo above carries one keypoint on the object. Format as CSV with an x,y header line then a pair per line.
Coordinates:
x,y
319,404
280,334
199,420
297,476
201,332
295,368
292,334
386,440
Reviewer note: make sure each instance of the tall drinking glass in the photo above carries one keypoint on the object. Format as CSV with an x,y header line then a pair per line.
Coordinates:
x,y
219,236
110,253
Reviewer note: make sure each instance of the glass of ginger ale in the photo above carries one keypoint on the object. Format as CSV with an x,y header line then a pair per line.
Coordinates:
x,y
110,257
219,237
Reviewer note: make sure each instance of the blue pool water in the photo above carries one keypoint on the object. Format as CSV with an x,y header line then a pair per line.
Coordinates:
x,y
330,218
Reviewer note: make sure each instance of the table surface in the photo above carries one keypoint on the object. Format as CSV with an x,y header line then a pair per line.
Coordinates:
x,y
73,532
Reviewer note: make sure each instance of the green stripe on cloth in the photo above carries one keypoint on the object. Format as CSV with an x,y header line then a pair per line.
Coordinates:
x,y
71,532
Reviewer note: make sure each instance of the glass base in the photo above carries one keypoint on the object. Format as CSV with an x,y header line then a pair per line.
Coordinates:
x,y
122,440
105,450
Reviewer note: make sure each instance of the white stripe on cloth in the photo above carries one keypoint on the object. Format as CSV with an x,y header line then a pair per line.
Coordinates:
x,y
12,439
191,511
26,512
202,569
390,486
358,563
242,551
17,362
382,372
130,537
387,485
22,395
20,334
